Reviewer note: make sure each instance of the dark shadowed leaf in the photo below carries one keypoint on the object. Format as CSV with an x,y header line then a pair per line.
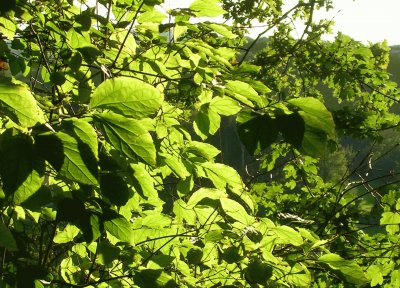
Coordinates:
x,y
114,187
7,239
256,131
22,171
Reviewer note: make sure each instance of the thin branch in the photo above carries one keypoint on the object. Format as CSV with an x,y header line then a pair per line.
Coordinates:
x,y
127,34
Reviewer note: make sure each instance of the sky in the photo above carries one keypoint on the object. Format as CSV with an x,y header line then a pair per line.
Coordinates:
x,y
363,20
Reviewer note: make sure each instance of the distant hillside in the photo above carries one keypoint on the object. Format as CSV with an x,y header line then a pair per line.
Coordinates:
x,y
394,63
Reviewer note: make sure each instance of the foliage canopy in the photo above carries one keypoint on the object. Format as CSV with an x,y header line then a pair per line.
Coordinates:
x,y
144,147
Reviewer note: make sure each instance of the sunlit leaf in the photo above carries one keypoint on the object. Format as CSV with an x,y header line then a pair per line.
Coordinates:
x,y
127,96
208,8
349,268
127,136
17,102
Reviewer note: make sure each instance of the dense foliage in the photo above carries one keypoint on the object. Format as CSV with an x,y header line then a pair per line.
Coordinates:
x,y
145,147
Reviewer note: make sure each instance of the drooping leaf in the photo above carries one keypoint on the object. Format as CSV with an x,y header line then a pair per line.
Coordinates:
x,y
256,132
351,271
17,102
244,93
292,128
7,239
318,125
127,96
221,29
321,118
128,136
204,193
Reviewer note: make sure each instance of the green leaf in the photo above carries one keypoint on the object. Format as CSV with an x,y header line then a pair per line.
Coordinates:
x,y
37,200
194,256
206,8
67,234
79,39
8,27
82,130
127,96
350,269
204,193
120,228
115,188
257,272
224,106
7,239
22,171
287,235
318,125
17,102
206,122
145,183
128,136
236,211
390,218
201,149
107,252
71,157
292,128
374,273
243,92
298,276
221,29
175,164
321,118
256,132
155,220
70,210
151,16
222,175
150,278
